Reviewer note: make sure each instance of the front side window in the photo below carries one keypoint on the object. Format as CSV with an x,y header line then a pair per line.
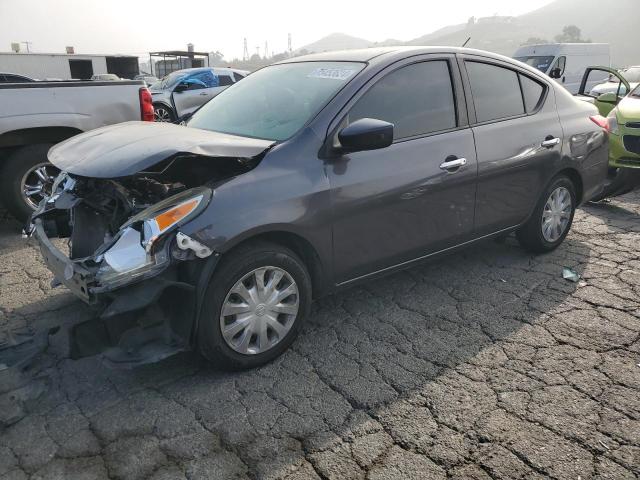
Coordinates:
x,y
559,65
276,101
204,79
418,99
496,91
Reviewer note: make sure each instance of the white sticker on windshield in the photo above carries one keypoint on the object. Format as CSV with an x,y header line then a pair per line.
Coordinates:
x,y
333,73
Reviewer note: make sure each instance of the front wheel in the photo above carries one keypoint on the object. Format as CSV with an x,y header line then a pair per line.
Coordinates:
x,y
163,114
551,219
254,306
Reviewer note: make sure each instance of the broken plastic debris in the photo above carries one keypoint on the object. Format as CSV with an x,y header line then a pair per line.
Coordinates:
x,y
570,275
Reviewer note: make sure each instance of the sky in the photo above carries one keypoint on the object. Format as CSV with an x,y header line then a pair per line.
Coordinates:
x,y
137,27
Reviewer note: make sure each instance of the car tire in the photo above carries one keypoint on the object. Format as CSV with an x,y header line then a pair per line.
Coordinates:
x,y
243,265
163,114
539,234
619,181
17,168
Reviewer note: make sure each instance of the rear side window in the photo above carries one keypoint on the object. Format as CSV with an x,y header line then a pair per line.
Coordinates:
x,y
532,93
496,91
237,76
225,80
418,99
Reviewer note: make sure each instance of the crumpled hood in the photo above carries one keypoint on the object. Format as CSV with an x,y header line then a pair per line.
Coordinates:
x,y
128,148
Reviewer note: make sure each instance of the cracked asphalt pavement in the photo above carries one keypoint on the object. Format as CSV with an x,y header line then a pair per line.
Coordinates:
x,y
485,364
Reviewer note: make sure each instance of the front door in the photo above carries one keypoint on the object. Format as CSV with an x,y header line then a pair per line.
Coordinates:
x,y
201,87
417,196
518,142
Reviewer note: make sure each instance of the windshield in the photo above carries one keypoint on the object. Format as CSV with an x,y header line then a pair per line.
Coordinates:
x,y
541,63
277,101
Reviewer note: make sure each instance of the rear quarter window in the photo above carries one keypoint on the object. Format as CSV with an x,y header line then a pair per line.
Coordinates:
x,y
532,92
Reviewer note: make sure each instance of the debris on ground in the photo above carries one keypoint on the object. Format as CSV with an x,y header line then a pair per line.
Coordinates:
x,y
570,275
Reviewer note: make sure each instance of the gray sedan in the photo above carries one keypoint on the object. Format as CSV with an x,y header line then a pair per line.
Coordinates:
x,y
309,176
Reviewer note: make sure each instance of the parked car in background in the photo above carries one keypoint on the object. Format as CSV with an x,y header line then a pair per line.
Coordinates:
x,y
183,91
36,115
148,79
105,77
310,175
621,118
613,83
14,78
566,62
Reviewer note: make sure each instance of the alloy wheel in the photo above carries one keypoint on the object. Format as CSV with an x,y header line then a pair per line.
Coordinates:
x,y
556,214
162,114
37,183
259,310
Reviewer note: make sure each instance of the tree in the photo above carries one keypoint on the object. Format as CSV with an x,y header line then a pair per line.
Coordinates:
x,y
571,34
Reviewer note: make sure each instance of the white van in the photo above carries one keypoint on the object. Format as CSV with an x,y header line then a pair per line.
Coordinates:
x,y
567,62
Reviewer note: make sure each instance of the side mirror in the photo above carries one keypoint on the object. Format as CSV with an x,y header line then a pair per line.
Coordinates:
x,y
181,87
555,73
610,97
365,134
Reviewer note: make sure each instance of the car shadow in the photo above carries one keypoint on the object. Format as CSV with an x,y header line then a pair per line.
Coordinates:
x,y
362,351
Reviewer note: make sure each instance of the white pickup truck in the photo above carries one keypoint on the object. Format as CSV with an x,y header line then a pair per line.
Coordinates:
x,y
34,116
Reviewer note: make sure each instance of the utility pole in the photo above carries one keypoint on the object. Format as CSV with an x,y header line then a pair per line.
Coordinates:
x,y
266,49
27,44
245,54
289,44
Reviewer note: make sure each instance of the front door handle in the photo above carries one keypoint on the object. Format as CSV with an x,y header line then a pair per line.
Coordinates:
x,y
203,93
550,142
453,163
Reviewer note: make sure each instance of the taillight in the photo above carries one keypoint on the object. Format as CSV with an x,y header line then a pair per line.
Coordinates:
x,y
601,121
146,105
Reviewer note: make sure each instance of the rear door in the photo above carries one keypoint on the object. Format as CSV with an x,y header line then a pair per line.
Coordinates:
x,y
416,196
518,140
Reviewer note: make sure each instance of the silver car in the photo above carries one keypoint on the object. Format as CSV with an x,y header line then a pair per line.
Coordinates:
x,y
183,91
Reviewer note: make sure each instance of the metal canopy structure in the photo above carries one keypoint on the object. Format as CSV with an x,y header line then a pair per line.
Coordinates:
x,y
180,58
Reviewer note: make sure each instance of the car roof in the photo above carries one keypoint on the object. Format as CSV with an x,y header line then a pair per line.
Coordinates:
x,y
368,54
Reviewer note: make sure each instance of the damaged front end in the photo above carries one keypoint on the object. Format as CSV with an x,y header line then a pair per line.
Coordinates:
x,y
127,255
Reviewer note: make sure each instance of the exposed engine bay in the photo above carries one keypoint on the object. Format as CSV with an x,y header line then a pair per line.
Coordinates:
x,y
98,208
122,231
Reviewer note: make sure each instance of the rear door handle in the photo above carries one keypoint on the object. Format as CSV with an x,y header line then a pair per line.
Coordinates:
x,y
204,93
550,142
453,163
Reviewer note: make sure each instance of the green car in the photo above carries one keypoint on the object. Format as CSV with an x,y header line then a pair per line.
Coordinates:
x,y
622,121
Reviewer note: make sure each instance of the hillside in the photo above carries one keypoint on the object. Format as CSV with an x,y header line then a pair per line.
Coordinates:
x,y
504,34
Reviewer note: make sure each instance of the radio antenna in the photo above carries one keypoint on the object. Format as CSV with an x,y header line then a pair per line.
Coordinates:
x,y
466,41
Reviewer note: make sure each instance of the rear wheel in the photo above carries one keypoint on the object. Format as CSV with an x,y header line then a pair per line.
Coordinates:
x,y
27,177
254,306
551,219
162,113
